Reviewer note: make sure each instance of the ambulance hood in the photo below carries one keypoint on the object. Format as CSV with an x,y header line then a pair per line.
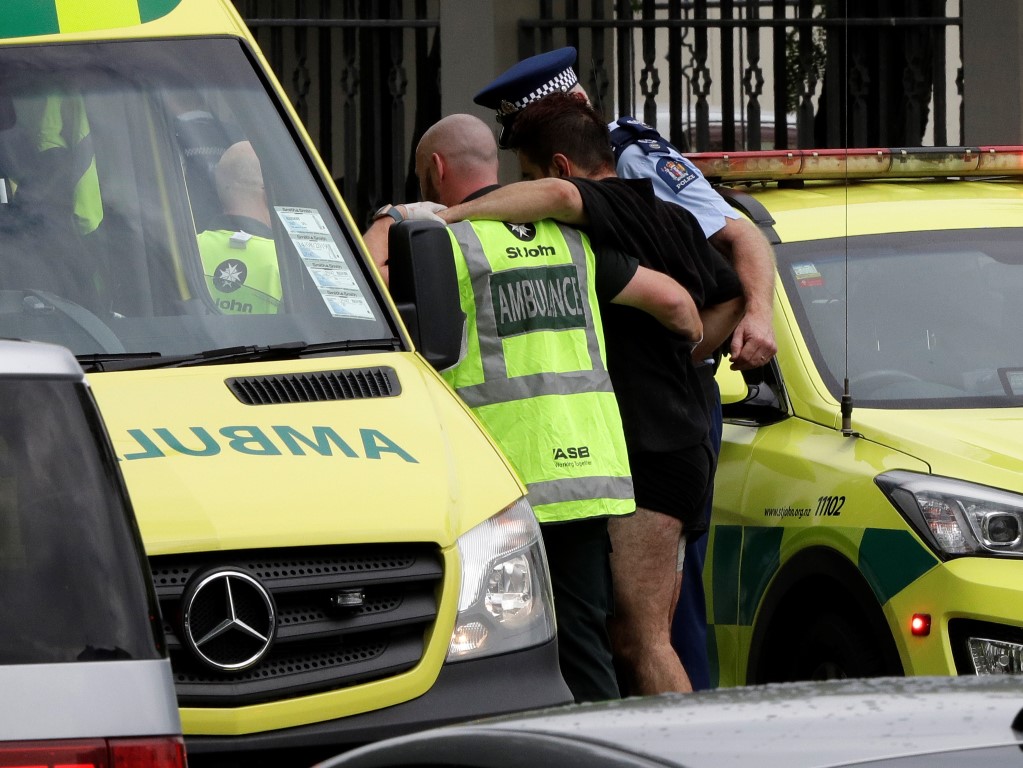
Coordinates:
x,y
206,471
979,445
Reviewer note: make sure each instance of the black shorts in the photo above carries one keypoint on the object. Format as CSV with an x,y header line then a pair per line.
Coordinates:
x,y
675,483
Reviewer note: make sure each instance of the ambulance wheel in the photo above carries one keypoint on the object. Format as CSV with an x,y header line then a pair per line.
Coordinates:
x,y
836,646
820,619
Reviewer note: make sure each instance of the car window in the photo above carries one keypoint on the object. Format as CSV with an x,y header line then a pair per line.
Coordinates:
x,y
123,230
932,319
72,585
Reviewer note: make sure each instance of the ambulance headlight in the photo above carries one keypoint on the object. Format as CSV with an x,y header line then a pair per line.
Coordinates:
x,y
956,517
995,657
505,602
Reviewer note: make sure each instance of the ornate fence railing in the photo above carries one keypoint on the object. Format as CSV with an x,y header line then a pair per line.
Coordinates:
x,y
343,63
750,74
710,74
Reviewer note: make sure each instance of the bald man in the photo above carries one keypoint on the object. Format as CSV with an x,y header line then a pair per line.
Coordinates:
x,y
238,253
534,372
239,179
456,160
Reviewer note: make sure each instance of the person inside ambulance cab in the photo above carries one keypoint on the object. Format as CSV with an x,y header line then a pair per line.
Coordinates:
x,y
238,254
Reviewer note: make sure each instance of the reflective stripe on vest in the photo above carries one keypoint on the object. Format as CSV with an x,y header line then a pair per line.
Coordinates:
x,y
534,370
241,280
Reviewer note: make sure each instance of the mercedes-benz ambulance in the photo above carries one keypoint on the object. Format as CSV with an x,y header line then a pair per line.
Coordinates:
x,y
339,550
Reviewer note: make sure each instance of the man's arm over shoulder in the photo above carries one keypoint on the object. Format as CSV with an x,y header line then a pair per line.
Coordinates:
x,y
753,342
719,321
556,199
660,296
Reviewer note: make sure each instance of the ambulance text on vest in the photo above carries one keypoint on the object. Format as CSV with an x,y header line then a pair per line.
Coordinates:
x,y
537,298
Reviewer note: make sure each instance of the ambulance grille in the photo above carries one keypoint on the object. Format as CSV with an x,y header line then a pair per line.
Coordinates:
x,y
317,387
345,615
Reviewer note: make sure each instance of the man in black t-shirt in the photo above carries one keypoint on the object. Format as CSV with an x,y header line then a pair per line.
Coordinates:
x,y
663,410
456,160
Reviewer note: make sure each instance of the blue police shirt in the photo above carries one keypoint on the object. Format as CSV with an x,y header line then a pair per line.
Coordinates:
x,y
675,180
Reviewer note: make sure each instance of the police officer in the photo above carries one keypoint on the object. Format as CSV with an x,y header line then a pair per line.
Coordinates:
x,y
640,152
238,254
534,372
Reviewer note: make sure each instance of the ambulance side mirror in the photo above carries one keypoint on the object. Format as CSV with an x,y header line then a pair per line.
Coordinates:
x,y
731,385
751,397
424,286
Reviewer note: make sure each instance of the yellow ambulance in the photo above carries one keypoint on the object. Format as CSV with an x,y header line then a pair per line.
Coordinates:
x,y
868,514
339,550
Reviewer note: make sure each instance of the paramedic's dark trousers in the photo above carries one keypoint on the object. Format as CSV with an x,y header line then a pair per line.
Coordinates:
x,y
577,553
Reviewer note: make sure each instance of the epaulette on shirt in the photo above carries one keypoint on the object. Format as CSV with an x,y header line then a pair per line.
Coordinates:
x,y
631,131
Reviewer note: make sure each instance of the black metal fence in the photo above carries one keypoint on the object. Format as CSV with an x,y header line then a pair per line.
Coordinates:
x,y
756,74
710,74
343,63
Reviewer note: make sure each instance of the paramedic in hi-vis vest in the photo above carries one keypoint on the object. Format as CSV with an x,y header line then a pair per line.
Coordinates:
x,y
534,373
238,254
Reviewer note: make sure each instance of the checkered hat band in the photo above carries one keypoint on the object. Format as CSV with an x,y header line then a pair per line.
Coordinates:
x,y
562,82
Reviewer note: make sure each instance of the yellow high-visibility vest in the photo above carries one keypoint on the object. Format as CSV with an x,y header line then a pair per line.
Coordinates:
x,y
534,370
64,125
242,273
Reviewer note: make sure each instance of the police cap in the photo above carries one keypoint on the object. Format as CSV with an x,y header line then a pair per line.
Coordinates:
x,y
527,81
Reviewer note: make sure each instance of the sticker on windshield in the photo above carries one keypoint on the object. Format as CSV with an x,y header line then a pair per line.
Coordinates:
x,y
807,276
324,262
302,220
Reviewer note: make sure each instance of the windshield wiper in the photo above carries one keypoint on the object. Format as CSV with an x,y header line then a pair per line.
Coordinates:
x,y
137,361
244,354
113,361
285,351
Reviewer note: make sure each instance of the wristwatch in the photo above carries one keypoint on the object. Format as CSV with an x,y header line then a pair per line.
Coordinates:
x,y
389,210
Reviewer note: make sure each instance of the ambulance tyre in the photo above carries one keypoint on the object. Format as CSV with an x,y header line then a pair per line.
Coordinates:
x,y
830,644
820,620
838,648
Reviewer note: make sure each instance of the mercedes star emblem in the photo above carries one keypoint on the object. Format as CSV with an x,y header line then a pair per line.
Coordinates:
x,y
229,619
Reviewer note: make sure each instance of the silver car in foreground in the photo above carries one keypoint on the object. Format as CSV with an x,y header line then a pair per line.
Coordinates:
x,y
84,675
892,722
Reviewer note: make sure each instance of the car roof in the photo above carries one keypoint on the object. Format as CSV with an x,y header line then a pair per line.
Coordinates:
x,y
795,725
33,358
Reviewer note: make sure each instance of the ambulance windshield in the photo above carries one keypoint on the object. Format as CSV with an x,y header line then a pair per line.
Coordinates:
x,y
153,201
929,320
